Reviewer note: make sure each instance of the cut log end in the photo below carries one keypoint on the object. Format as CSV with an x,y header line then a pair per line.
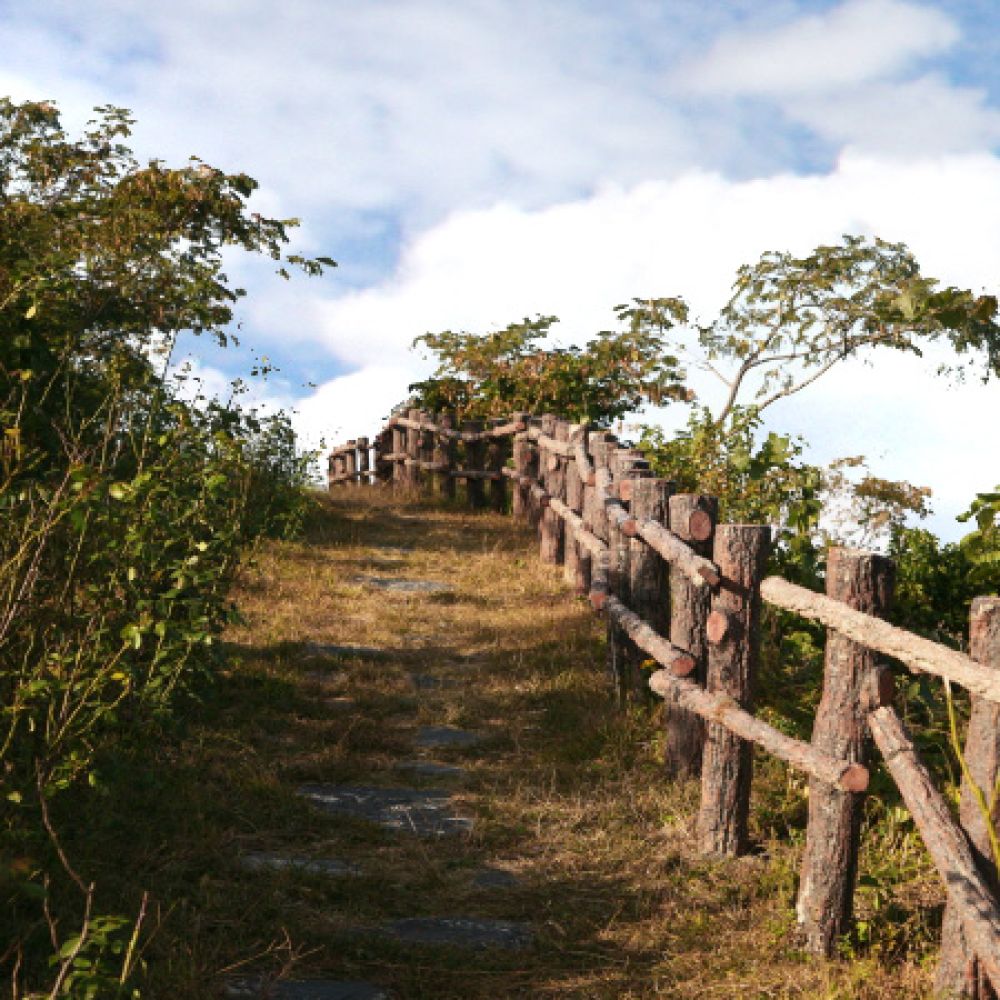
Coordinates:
x,y
700,526
597,600
592,479
855,778
630,527
683,665
718,627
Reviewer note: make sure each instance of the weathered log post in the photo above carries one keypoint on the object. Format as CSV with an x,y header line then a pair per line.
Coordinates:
x,y
599,444
351,463
740,552
413,474
534,471
864,581
572,553
383,447
444,455
960,972
399,470
496,459
550,523
522,452
364,461
692,518
426,450
646,568
474,458
622,656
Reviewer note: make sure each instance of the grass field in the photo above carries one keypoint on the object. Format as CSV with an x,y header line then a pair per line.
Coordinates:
x,y
565,791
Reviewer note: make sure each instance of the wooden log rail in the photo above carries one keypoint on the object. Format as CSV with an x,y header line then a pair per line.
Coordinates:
x,y
921,655
683,592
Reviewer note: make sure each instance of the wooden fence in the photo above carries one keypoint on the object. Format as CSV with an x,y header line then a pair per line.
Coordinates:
x,y
683,591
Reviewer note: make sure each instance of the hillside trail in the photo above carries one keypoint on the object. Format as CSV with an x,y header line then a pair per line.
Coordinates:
x,y
442,799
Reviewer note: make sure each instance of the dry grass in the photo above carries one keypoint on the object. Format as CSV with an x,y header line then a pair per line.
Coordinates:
x,y
565,790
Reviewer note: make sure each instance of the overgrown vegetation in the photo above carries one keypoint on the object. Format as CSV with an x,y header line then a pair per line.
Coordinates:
x,y
125,509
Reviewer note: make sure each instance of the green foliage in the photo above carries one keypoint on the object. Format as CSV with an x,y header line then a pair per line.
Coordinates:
x,y
982,545
510,371
791,319
124,511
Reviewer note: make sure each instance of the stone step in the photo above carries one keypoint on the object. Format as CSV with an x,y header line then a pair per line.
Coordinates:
x,y
256,988
425,812
332,649
403,586
267,860
495,878
431,769
460,932
445,736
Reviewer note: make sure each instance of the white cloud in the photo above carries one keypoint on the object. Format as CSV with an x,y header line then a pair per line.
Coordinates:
x,y
904,119
479,270
351,406
847,75
850,44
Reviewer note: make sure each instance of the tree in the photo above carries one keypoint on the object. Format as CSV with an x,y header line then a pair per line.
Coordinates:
x,y
791,319
509,370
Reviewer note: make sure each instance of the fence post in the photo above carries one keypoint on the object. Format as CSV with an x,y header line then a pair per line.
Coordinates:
x,y
647,569
520,504
364,465
572,571
862,580
426,450
351,462
550,527
496,458
413,474
474,463
399,470
444,455
740,552
692,518
959,973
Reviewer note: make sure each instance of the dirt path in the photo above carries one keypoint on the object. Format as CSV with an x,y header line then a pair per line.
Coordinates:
x,y
433,796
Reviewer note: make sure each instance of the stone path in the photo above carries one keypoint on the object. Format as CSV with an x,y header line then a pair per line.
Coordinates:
x,y
428,812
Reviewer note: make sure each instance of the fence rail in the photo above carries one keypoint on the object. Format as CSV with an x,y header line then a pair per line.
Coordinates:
x,y
682,590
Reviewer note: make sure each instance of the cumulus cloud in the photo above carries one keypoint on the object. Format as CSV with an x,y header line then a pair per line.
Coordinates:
x,y
850,44
853,76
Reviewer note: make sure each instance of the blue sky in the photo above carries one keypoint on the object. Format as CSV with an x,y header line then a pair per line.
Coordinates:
x,y
471,163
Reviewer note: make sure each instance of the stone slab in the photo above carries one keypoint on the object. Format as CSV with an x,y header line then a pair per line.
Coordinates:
x,y
431,769
429,682
254,988
425,812
403,586
328,678
494,878
445,736
267,860
333,649
460,932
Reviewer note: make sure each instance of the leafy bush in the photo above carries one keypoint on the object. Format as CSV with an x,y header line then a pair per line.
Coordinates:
x,y
124,511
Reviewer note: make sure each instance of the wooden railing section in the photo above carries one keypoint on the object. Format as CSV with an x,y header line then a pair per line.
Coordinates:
x,y
685,592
